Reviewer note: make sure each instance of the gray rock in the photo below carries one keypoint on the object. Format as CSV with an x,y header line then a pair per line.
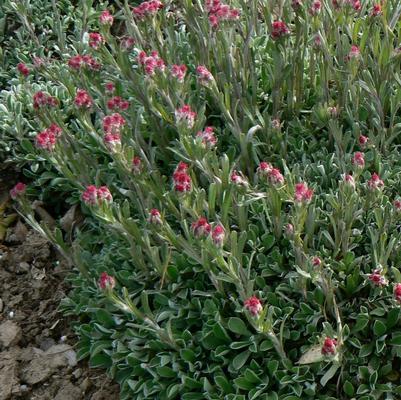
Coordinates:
x,y
10,334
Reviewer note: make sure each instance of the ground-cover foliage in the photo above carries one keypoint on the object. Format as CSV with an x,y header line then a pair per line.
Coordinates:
x,y
237,163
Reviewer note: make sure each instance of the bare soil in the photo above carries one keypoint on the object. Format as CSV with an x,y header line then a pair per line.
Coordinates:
x,y
37,356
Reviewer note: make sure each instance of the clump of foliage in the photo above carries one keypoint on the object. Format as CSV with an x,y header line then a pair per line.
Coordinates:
x,y
237,164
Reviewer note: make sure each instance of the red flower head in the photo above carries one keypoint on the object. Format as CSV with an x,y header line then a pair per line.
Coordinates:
x,y
207,137
106,18
106,281
316,262
104,195
41,99
117,103
279,30
110,87
358,160
329,346
204,75
349,181
363,140
253,305
113,123
275,177
218,235
96,40
89,196
82,99
93,196
151,63
186,116
136,165
201,228
264,169
315,8
147,9
302,193
397,205
18,190
178,72
377,10
46,140
23,69
375,183
377,278
155,217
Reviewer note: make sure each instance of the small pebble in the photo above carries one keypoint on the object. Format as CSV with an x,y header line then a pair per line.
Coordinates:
x,y
11,314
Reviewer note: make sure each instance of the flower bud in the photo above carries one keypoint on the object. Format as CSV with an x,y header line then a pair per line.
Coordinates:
x,y
218,235
329,346
106,281
253,305
18,190
155,217
201,228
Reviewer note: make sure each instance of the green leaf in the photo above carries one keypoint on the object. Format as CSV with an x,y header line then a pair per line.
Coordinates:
x,y
379,328
361,322
348,388
240,359
329,374
392,317
238,326
366,349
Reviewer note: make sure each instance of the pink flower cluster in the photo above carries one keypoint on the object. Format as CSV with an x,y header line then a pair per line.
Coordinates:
x,y
181,179
106,18
363,141
315,8
375,183
185,115
41,99
77,62
117,103
23,69
377,10
358,160
349,181
18,190
377,278
207,137
136,165
113,123
93,196
204,75
147,8
219,12
155,217
106,281
303,194
329,346
47,139
218,235
279,30
201,228
238,179
273,175
151,63
354,53
253,305
83,99
96,40
178,72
